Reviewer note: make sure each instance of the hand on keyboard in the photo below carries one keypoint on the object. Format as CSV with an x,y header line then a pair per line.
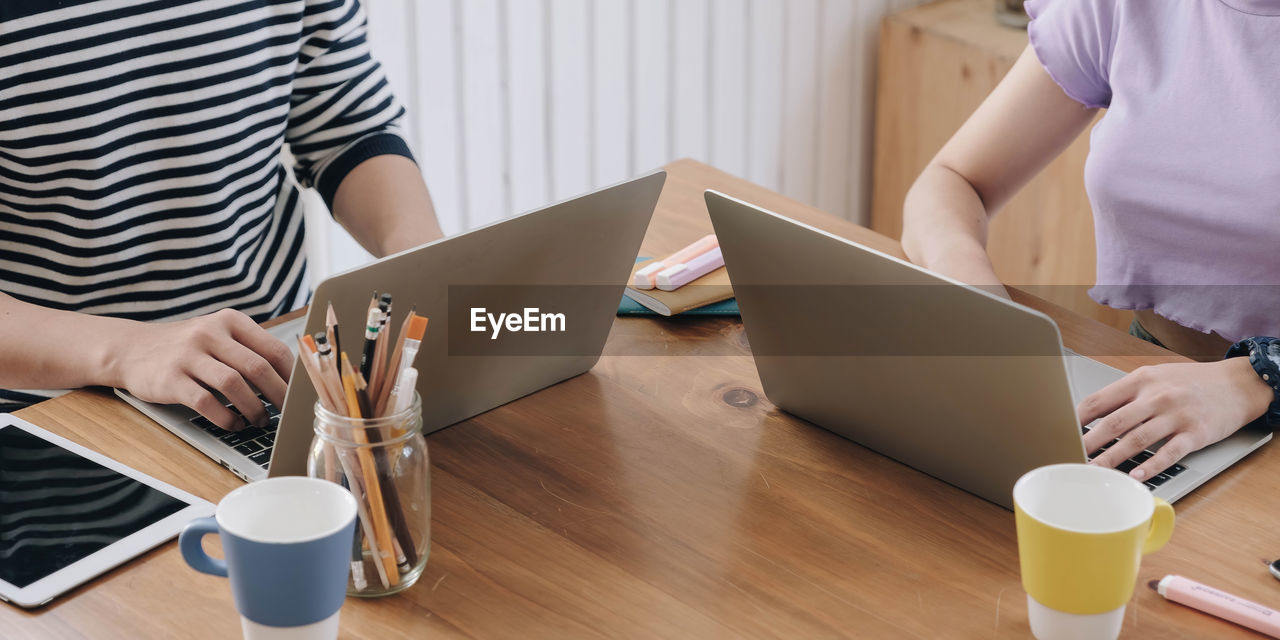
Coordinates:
x,y
255,442
1192,405
184,362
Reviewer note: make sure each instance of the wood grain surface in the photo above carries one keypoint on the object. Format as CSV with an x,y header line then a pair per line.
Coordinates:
x,y
662,496
938,62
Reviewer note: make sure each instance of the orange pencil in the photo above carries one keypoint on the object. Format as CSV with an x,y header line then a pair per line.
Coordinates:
x,y
373,489
395,511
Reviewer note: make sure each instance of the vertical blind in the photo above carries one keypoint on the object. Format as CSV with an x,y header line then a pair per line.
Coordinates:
x,y
514,104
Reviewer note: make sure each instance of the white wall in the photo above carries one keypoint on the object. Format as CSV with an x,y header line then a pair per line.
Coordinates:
x,y
517,103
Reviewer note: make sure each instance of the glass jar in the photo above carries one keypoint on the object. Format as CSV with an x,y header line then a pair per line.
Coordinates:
x,y
384,463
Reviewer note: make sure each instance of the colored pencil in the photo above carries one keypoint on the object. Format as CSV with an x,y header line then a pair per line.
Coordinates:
x,y
307,356
395,509
329,376
385,381
331,326
349,467
393,368
373,488
379,375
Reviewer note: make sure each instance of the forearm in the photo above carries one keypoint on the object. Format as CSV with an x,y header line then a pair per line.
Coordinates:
x,y
1025,123
384,204
42,348
179,362
945,227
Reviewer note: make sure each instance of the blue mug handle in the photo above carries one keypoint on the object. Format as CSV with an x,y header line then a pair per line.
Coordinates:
x,y
189,543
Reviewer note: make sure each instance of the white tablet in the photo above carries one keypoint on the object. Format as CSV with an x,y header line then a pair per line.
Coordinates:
x,y
68,514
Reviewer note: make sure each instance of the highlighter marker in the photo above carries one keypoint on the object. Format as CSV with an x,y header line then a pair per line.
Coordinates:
x,y
1247,614
417,329
681,274
404,390
646,278
642,279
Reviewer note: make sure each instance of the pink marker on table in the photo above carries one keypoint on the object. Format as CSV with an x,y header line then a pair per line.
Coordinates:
x,y
1219,603
646,277
678,275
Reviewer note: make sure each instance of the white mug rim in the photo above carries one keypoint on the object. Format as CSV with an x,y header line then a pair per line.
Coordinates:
x,y
348,506
1147,511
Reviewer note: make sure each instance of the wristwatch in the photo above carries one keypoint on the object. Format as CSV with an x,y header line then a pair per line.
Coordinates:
x,y
1264,355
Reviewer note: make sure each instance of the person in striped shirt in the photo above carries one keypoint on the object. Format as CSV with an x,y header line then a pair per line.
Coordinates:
x,y
148,218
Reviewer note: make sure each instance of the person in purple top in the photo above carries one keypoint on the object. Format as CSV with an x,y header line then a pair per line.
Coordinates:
x,y
1183,176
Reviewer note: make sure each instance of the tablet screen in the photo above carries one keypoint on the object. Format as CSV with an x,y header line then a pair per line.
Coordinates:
x,y
57,507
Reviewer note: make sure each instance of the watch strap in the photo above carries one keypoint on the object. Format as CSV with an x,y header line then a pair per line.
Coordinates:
x,y
1264,357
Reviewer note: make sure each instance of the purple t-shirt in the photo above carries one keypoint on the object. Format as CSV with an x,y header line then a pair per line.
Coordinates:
x,y
1184,167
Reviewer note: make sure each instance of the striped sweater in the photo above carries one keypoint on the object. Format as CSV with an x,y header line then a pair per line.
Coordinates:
x,y
141,173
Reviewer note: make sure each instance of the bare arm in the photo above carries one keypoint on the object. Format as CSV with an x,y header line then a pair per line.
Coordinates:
x,y
1021,127
168,362
383,203
43,348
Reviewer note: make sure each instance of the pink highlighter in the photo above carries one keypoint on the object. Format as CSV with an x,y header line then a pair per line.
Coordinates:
x,y
1219,603
647,276
678,275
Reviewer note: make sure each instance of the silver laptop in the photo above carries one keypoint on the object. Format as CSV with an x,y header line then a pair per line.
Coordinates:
x,y
569,260
959,383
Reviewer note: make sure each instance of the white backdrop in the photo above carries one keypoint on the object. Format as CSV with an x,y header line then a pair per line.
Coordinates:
x,y
517,103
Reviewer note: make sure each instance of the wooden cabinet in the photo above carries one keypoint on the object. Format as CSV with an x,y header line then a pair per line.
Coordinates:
x,y
937,63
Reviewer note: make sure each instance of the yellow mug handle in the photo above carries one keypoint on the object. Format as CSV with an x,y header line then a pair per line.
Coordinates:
x,y
1161,527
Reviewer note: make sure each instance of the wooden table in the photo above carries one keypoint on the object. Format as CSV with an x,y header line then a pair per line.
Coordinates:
x,y
661,495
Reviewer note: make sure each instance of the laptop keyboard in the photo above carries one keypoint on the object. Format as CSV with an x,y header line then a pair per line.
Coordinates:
x,y
254,442
1132,463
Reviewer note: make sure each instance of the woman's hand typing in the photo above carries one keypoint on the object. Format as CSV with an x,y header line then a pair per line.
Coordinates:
x,y
1192,405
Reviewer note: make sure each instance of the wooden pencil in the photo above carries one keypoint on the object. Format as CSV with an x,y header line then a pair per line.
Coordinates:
x,y
393,368
331,327
379,376
310,357
310,361
307,356
329,375
373,488
351,468
395,510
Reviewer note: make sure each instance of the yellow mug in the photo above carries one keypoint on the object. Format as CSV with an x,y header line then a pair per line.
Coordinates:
x,y
1082,532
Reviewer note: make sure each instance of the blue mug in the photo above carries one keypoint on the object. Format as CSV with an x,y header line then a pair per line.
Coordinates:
x,y
287,543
